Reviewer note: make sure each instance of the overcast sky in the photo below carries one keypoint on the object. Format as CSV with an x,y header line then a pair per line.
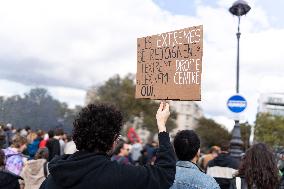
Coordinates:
x,y
68,46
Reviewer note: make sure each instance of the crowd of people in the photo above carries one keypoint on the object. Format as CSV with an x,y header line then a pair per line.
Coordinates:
x,y
25,154
97,156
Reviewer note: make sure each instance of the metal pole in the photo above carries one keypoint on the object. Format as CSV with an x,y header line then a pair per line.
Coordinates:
x,y
236,142
239,8
238,55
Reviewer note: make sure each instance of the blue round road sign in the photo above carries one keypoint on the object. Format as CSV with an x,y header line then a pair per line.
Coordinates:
x,y
237,103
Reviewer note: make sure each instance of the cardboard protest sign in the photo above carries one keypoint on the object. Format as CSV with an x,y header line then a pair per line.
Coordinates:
x,y
169,65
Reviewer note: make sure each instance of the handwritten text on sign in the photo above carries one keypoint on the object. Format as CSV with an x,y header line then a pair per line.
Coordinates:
x,y
169,65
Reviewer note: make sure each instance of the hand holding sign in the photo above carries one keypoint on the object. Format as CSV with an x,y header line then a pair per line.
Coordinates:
x,y
162,116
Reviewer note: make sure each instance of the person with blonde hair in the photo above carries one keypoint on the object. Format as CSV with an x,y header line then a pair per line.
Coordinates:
x,y
33,144
14,156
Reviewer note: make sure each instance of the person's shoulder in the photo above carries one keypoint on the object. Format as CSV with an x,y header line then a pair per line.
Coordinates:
x,y
232,162
9,180
209,180
53,141
5,174
196,178
49,183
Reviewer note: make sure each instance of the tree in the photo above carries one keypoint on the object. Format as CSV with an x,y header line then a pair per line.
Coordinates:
x,y
37,109
121,92
211,133
269,129
245,134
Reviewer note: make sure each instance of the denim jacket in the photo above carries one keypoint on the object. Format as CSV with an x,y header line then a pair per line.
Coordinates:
x,y
189,176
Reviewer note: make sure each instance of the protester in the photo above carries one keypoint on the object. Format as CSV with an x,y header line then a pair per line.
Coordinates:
x,y
23,132
136,151
35,171
8,180
2,138
213,153
95,131
33,144
28,129
59,133
70,146
14,157
153,158
8,135
40,136
43,142
52,145
188,174
223,167
258,169
150,148
121,153
143,159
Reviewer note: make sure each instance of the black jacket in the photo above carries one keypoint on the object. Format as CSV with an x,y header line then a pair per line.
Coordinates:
x,y
223,168
84,170
9,180
53,147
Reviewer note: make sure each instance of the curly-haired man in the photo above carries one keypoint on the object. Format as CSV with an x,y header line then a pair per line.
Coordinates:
x,y
96,130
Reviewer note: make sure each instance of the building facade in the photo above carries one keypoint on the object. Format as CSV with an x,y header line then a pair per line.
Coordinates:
x,y
188,113
272,103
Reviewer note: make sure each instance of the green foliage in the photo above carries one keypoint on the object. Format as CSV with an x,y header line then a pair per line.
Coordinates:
x,y
245,134
211,133
121,93
269,129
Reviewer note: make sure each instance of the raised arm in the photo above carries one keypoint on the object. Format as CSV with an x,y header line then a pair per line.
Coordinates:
x,y
160,175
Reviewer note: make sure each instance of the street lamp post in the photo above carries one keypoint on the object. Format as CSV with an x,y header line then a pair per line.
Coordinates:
x,y
239,8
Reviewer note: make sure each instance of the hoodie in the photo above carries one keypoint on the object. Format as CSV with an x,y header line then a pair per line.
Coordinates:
x,y
14,161
95,170
9,180
33,173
